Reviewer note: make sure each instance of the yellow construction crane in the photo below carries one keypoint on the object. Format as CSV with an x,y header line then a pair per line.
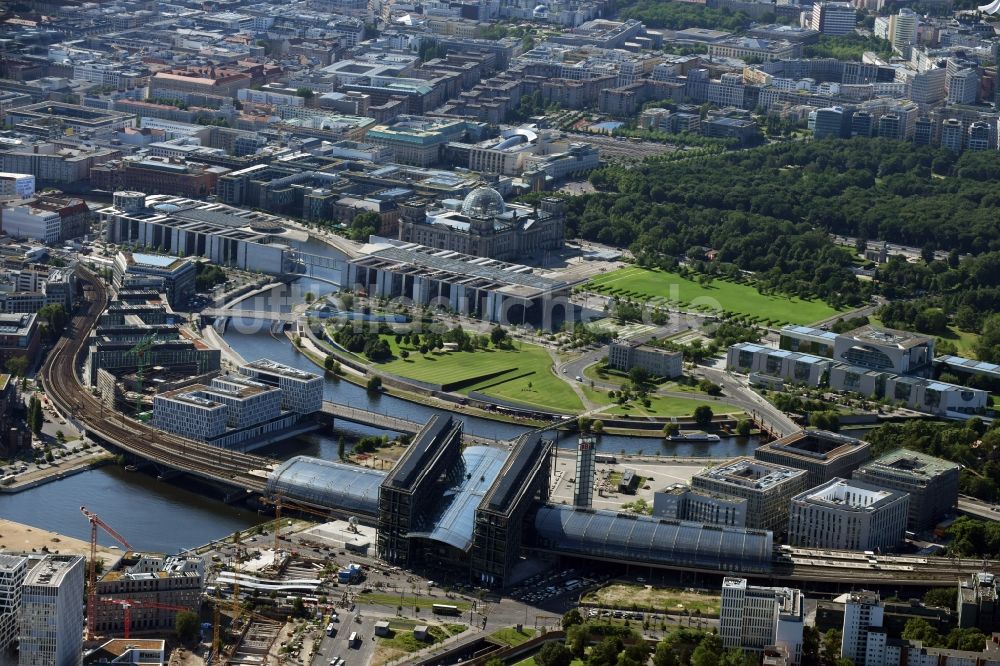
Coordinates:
x,y
235,607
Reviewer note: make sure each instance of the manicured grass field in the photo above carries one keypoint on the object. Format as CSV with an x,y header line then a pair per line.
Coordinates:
x,y
669,406
530,380
744,299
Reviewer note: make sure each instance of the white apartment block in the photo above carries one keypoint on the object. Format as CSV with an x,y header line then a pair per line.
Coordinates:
x,y
752,618
265,398
624,355
926,87
248,402
963,86
20,185
848,515
53,163
108,74
952,134
270,97
13,568
903,30
204,412
862,612
979,136
866,641
188,413
30,222
833,18
302,392
51,619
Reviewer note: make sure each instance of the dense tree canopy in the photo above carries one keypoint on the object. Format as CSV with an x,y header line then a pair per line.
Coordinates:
x,y
969,443
679,15
847,47
871,188
770,211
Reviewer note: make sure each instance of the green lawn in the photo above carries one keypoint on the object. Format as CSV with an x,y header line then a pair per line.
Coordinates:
x,y
402,635
597,396
662,406
617,377
511,636
965,342
643,283
529,379
669,406
660,599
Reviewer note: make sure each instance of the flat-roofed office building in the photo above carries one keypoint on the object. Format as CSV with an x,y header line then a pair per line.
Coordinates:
x,y
848,515
932,483
824,455
767,487
752,618
51,621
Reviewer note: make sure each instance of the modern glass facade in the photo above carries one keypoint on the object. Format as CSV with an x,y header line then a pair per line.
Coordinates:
x,y
348,488
643,539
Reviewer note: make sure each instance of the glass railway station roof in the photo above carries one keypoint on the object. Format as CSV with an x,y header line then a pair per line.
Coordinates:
x,y
420,452
453,519
348,488
631,538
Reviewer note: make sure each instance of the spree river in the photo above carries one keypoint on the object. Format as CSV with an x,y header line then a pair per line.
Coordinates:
x,y
168,516
152,515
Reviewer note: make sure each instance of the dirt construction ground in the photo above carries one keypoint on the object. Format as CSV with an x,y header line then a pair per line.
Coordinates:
x,y
16,537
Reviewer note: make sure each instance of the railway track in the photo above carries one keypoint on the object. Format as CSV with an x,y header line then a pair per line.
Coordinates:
x,y
62,385
818,564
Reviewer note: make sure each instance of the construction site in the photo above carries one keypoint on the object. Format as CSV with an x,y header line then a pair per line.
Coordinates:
x,y
250,594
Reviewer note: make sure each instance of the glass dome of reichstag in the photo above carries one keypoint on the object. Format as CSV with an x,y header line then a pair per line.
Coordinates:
x,y
483,202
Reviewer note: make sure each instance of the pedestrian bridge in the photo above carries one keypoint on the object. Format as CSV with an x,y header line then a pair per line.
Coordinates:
x,y
398,424
369,418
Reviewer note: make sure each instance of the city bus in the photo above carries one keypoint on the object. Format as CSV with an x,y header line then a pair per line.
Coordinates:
x,y
444,609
